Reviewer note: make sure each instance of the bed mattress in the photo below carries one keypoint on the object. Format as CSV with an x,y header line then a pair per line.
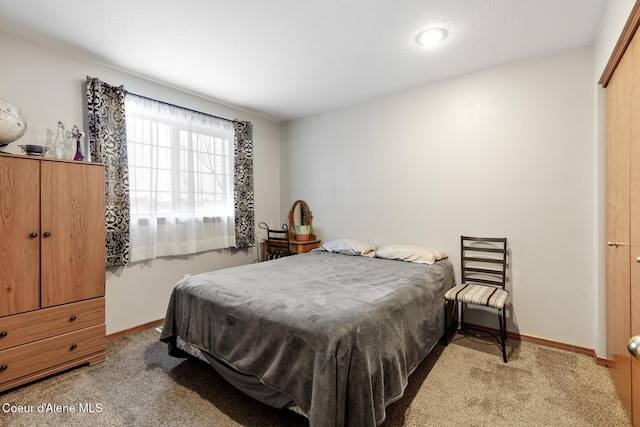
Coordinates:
x,y
337,335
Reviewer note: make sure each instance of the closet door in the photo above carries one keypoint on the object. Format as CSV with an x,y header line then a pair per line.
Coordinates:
x,y
623,225
617,231
633,55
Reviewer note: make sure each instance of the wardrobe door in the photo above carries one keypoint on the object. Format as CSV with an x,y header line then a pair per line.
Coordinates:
x,y
19,235
73,232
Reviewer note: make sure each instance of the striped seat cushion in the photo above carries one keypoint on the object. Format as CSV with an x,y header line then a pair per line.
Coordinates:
x,y
478,294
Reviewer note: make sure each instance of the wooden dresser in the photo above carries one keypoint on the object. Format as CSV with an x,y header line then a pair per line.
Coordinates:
x,y
52,267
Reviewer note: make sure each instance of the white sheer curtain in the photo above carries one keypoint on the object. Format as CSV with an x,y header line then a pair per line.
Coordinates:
x,y
181,179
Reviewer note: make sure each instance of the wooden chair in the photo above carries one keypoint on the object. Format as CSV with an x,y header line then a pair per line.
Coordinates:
x,y
277,243
484,272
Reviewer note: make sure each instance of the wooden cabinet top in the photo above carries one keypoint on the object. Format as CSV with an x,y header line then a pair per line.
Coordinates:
x,y
46,159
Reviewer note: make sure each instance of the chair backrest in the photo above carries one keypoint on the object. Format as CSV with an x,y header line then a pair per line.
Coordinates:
x,y
279,239
484,260
277,242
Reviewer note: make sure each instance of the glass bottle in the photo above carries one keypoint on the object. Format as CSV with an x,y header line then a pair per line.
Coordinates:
x,y
60,144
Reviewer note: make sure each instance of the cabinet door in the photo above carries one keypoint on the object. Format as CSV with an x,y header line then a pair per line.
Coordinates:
x,y
19,235
73,232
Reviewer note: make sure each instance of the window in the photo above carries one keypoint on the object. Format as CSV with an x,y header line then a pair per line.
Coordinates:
x,y
181,179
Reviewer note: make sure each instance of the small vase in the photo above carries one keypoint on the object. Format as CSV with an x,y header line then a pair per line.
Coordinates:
x,y
78,157
77,135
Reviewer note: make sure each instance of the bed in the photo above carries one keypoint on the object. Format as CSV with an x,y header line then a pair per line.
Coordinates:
x,y
332,336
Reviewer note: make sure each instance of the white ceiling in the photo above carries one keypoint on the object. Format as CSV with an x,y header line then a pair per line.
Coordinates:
x,y
286,59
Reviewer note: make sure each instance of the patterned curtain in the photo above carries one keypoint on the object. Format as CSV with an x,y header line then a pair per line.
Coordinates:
x,y
243,184
108,144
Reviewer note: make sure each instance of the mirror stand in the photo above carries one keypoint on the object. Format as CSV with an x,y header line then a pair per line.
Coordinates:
x,y
301,234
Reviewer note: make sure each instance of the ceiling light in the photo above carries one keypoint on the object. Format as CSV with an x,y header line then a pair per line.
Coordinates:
x,y
431,37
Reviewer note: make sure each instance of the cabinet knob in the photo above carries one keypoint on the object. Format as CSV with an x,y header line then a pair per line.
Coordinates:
x,y
73,346
4,367
72,318
33,235
47,234
3,334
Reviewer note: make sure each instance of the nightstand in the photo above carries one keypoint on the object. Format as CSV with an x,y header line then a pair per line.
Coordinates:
x,y
295,247
302,246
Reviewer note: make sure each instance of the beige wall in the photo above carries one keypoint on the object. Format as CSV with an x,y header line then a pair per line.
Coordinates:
x,y
505,152
48,86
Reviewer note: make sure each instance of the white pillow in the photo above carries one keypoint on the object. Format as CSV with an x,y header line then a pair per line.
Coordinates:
x,y
348,247
417,254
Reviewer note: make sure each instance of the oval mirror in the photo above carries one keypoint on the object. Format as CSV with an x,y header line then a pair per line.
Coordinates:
x,y
300,214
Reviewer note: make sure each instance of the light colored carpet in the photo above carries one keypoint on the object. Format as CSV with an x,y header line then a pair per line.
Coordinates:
x,y
463,384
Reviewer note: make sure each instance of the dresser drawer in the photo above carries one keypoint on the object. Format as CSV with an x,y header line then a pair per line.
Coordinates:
x,y
41,355
35,325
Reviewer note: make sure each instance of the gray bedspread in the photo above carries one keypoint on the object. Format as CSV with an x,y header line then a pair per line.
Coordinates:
x,y
339,334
